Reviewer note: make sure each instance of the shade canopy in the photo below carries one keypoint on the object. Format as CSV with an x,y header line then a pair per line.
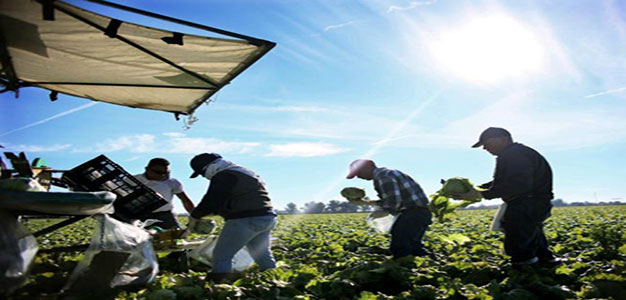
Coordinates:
x,y
64,48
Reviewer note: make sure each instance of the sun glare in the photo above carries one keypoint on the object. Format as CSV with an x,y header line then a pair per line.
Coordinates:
x,y
488,50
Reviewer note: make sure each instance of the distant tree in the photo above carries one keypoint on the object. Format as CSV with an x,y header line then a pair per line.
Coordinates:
x,y
559,202
333,206
366,208
313,207
292,208
346,207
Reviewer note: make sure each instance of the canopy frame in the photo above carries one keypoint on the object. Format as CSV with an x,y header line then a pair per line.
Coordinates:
x,y
12,82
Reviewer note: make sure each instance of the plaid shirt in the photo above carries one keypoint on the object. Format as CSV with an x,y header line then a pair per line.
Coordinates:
x,y
397,191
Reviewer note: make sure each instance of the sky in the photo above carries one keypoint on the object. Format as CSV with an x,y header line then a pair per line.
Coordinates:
x,y
408,84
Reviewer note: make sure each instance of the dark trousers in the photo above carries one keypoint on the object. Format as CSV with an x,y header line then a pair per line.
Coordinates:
x,y
523,230
407,233
167,218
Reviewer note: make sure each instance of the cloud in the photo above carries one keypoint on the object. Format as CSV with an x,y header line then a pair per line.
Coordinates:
x,y
411,5
73,110
337,26
192,145
139,143
300,109
611,91
304,149
285,108
36,148
554,130
170,142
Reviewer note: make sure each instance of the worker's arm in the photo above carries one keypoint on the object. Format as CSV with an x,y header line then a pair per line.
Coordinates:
x,y
187,204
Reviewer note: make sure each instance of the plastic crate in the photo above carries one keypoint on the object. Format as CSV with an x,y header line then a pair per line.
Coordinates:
x,y
134,199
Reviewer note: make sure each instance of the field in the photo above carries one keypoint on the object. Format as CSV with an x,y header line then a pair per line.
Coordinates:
x,y
336,256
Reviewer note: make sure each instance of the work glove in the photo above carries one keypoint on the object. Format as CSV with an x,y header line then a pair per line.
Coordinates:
x,y
200,226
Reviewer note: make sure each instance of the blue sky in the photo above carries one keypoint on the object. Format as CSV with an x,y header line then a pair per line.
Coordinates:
x,y
408,84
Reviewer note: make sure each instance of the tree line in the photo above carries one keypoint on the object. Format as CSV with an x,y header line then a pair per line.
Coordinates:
x,y
333,206
336,206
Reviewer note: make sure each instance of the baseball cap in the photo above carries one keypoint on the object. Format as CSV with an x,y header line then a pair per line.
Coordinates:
x,y
491,132
200,161
357,165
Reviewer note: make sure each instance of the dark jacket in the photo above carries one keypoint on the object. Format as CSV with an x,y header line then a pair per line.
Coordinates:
x,y
234,195
521,173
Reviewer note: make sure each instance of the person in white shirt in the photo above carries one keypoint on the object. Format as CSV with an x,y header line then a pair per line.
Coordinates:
x,y
157,177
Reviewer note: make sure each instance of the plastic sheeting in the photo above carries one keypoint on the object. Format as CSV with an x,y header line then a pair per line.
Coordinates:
x,y
120,254
204,254
17,251
133,65
382,224
496,223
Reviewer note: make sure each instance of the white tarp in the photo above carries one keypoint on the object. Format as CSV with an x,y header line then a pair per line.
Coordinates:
x,y
75,57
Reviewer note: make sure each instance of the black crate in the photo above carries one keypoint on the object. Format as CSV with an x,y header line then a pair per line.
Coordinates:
x,y
134,199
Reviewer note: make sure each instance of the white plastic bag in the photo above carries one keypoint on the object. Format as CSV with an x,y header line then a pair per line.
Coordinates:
x,y
496,223
17,251
119,254
204,254
382,224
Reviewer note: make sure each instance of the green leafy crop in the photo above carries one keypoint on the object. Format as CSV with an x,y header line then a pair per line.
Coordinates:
x,y
441,204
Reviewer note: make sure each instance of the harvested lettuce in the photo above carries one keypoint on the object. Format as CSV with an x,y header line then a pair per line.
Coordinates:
x,y
353,193
441,204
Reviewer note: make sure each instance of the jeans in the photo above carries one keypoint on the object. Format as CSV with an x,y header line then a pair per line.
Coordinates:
x,y
252,233
407,233
523,230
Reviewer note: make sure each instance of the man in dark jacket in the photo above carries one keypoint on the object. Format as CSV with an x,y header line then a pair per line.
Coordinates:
x,y
522,179
239,196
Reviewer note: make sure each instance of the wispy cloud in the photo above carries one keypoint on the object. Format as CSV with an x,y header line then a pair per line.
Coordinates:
x,y
411,5
558,130
138,143
73,110
337,26
611,91
190,145
281,108
169,143
304,149
36,148
301,109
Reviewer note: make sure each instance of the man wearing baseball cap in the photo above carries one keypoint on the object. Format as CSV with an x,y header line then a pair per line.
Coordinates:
x,y
157,177
239,196
402,197
523,180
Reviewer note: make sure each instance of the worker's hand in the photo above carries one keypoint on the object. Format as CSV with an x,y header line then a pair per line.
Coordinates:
x,y
201,226
193,222
378,214
472,194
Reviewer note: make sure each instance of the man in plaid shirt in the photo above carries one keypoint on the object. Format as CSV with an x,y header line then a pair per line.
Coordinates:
x,y
401,196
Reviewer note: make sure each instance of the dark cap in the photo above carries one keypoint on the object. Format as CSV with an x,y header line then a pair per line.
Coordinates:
x,y
200,161
491,132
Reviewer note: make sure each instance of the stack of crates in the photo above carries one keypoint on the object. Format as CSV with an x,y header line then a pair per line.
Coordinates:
x,y
134,199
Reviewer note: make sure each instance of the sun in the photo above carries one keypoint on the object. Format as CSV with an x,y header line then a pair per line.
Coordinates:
x,y
489,50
